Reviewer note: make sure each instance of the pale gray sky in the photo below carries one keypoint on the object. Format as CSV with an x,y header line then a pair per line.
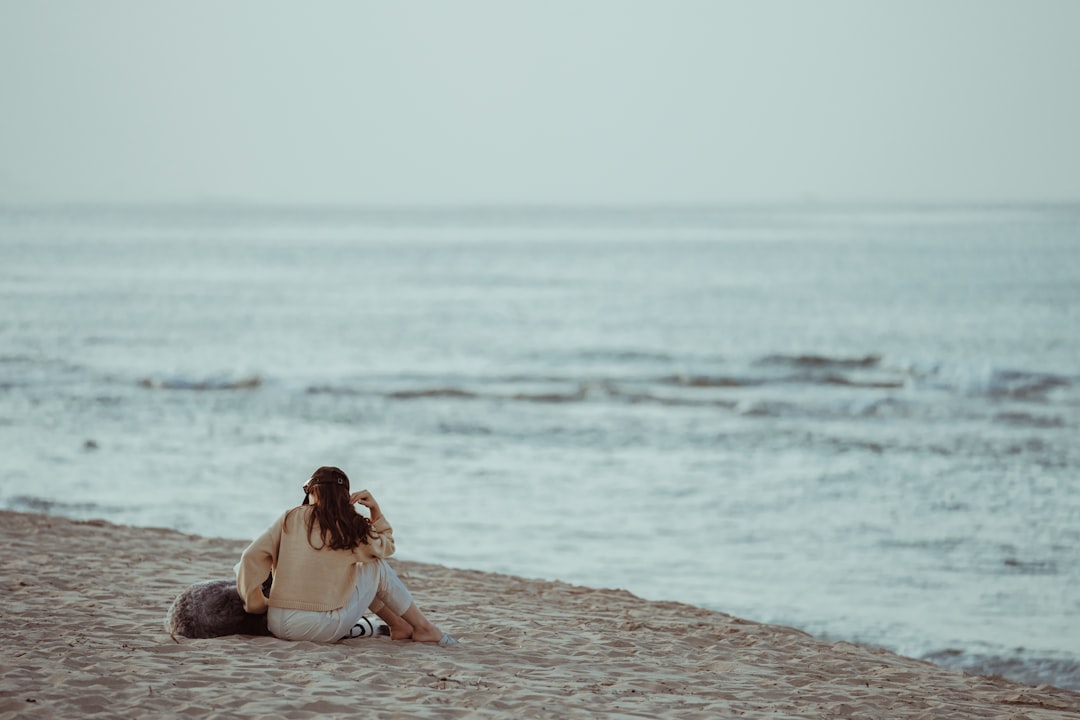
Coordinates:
x,y
545,101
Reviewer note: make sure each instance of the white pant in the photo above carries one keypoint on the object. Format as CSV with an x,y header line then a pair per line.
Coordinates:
x,y
376,584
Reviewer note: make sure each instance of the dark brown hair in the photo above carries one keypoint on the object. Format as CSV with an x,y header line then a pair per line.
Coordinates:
x,y
341,527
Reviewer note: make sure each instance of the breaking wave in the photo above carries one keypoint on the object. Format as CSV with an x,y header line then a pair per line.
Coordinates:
x,y
431,393
205,384
33,504
865,386
1022,419
821,361
1019,665
988,381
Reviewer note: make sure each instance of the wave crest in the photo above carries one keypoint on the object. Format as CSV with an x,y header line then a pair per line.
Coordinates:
x,y
205,384
821,361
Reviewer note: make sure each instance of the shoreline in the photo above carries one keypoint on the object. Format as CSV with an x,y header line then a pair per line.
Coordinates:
x,y
84,603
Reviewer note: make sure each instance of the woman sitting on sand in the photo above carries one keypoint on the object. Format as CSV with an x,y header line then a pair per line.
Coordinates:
x,y
328,567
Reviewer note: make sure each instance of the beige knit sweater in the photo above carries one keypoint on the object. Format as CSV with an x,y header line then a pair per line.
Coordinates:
x,y
304,578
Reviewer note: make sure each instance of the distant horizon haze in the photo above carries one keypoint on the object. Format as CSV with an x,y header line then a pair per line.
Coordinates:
x,y
483,103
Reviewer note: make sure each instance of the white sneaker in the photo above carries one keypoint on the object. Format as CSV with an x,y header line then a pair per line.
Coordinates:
x,y
368,627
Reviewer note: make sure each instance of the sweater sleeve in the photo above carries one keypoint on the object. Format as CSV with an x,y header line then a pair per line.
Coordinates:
x,y
380,541
255,564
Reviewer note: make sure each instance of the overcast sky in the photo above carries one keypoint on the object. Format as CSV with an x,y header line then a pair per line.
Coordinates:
x,y
585,101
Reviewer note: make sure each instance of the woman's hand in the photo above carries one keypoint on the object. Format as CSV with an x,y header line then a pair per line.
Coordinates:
x,y
367,500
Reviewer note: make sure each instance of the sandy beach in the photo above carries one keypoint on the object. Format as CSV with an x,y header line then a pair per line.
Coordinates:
x,y
83,605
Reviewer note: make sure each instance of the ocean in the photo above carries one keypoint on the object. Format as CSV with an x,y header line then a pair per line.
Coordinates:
x,y
860,421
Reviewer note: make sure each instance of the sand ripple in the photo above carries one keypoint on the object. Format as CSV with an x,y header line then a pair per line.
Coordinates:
x,y
83,605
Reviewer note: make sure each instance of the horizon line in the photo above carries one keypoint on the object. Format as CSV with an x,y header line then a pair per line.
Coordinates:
x,y
529,206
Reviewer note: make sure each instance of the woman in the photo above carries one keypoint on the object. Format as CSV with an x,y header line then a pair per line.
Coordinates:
x,y
328,567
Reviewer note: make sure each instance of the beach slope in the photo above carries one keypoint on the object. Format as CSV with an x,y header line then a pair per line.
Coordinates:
x,y
83,605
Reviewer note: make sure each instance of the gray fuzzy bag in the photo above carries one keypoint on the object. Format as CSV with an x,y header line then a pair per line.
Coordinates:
x,y
212,609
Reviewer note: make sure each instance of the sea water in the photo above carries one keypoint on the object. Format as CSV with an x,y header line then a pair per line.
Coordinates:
x,y
863,422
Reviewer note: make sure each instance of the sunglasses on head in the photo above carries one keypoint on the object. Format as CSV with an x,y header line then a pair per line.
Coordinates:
x,y
313,482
